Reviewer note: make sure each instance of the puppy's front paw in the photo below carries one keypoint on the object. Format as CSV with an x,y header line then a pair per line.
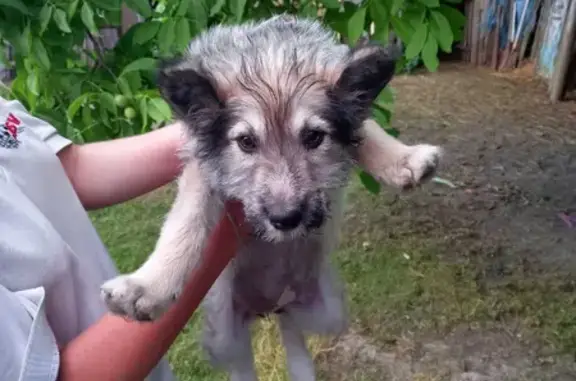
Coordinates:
x,y
418,166
131,296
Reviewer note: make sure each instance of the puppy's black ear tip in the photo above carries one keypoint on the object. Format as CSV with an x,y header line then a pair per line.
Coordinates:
x,y
394,52
169,63
164,68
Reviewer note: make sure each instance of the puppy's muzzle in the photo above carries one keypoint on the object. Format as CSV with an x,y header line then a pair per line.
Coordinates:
x,y
285,218
288,221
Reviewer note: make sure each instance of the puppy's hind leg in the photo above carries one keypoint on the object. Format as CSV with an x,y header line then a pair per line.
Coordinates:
x,y
150,290
227,339
300,364
326,314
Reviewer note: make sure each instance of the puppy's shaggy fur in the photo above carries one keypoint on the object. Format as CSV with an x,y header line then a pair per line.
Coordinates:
x,y
276,113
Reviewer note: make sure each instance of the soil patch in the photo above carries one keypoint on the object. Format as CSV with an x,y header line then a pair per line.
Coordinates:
x,y
511,154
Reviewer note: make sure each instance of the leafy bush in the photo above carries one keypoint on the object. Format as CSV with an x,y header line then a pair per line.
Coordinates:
x,y
67,76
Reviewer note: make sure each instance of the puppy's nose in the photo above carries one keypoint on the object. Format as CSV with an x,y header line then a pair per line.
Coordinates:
x,y
287,221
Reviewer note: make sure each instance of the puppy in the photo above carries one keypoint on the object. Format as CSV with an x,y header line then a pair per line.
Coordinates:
x,y
276,116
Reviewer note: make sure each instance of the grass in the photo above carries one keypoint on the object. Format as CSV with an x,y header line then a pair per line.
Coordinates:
x,y
394,286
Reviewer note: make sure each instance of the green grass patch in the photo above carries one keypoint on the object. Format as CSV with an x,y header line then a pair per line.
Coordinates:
x,y
393,286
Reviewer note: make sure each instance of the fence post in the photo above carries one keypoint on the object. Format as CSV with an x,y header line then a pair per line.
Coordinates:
x,y
564,55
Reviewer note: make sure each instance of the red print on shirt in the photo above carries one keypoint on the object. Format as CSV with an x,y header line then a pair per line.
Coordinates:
x,y
9,132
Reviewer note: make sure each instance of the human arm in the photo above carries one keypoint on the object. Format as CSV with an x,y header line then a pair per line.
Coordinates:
x,y
115,349
111,172
93,352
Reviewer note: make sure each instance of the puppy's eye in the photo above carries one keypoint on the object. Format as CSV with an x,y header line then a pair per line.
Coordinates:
x,y
247,143
312,138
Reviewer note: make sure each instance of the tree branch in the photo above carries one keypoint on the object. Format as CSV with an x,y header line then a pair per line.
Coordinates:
x,y
99,53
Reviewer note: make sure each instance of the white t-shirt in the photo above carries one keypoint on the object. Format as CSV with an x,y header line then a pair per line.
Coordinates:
x,y
52,261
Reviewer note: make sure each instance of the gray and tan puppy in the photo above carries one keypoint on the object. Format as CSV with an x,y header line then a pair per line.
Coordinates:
x,y
276,114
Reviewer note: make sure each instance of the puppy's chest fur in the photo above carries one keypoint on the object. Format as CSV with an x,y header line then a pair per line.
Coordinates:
x,y
269,276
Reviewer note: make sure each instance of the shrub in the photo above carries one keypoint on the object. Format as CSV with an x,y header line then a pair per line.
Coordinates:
x,y
67,75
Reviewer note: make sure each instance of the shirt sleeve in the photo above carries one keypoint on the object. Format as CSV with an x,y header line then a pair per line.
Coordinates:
x,y
43,129
28,349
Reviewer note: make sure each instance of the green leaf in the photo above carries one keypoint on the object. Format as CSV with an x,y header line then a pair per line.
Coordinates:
x,y
142,7
107,102
61,20
217,7
87,16
145,63
456,19
417,41
159,110
32,82
397,5
146,31
338,19
160,7
74,134
40,53
182,8
380,15
104,118
309,9
75,106
333,4
24,39
166,35
442,31
134,80
86,116
392,132
45,16
144,113
454,16
18,85
369,182
124,87
402,29
386,96
415,15
237,7
381,115
72,9
430,3
183,35
355,25
430,53
15,4
127,130
198,14
109,5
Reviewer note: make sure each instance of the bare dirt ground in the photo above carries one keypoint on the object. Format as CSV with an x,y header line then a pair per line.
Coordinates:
x,y
512,155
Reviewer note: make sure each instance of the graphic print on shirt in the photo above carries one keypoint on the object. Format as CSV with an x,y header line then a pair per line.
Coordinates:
x,y
9,131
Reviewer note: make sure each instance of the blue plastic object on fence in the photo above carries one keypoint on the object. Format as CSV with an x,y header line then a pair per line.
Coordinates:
x,y
521,25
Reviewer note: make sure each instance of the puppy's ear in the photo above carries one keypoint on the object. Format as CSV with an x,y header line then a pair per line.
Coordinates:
x,y
369,69
187,91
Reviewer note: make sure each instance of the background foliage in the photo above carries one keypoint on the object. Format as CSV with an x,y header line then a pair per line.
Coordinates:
x,y
93,92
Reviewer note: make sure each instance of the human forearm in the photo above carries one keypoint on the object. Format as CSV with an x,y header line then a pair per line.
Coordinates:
x,y
115,349
111,172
